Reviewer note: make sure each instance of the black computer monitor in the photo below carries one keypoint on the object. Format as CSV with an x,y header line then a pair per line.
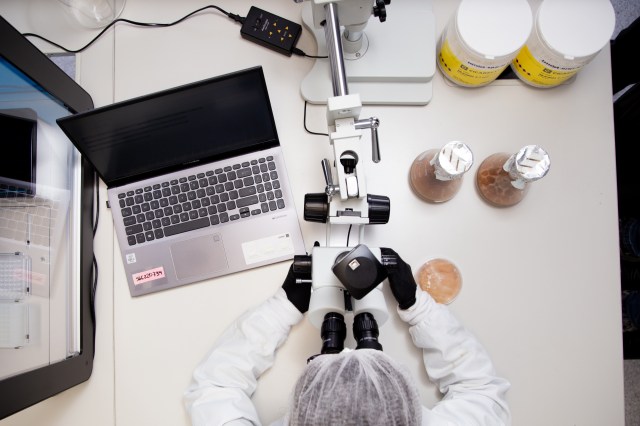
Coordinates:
x,y
25,61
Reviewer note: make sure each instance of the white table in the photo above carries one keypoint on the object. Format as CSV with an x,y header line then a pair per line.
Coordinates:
x,y
541,279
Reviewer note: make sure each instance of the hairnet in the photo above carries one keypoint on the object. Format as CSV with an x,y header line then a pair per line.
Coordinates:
x,y
362,387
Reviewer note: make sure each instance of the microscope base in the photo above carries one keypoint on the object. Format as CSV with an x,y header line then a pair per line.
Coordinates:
x,y
397,67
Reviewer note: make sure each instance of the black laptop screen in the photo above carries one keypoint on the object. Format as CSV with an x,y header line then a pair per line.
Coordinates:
x,y
18,155
176,128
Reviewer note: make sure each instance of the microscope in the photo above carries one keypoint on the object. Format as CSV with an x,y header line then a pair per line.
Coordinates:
x,y
345,278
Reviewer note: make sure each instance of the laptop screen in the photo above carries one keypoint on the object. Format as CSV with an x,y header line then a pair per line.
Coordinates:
x,y
18,158
166,131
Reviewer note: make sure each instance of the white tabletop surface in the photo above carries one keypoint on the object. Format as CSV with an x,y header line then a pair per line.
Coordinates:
x,y
541,284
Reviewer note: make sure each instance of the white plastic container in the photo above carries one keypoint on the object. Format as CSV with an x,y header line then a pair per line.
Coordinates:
x,y
567,35
482,38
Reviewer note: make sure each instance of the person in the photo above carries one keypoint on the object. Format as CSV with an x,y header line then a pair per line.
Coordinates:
x,y
357,387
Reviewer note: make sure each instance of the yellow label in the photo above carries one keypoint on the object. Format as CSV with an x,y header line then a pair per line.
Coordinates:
x,y
531,69
465,72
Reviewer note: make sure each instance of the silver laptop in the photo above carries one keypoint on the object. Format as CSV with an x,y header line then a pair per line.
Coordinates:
x,y
196,180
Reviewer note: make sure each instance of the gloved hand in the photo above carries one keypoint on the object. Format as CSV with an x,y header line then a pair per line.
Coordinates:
x,y
298,294
403,285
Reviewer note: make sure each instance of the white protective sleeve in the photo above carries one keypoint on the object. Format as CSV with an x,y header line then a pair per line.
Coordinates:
x,y
222,385
460,367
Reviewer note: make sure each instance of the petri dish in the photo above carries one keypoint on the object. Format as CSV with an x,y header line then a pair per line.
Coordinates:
x,y
441,279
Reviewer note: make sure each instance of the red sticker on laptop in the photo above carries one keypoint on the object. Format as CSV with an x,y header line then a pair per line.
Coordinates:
x,y
150,275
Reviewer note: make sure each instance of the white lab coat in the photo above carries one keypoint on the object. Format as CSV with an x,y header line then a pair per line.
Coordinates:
x,y
220,393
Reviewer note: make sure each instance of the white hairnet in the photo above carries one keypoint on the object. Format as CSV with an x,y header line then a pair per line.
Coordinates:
x,y
362,387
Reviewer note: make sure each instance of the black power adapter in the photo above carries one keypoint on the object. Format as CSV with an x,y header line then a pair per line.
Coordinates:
x,y
270,31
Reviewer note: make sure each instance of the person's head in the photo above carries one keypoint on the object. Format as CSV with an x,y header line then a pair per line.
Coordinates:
x,y
362,387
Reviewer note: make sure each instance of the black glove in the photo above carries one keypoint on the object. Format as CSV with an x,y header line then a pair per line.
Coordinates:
x,y
298,294
403,285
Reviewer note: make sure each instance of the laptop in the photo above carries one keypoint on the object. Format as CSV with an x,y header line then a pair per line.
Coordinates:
x,y
195,178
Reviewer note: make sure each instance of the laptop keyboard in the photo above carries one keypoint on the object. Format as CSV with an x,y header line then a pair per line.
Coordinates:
x,y
200,200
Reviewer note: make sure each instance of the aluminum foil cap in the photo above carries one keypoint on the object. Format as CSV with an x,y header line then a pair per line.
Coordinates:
x,y
452,161
529,164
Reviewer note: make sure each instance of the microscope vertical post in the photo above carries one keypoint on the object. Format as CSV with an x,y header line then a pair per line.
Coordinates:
x,y
334,50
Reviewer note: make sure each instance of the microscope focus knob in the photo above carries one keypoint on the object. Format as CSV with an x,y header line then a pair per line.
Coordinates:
x,y
316,207
379,209
302,266
380,11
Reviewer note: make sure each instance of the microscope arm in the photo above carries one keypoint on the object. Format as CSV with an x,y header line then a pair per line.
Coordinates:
x,y
343,115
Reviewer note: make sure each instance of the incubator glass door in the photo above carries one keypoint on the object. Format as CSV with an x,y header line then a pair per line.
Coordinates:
x,y
39,228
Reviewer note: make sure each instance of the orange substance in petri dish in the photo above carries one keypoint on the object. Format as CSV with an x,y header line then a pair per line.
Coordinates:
x,y
441,279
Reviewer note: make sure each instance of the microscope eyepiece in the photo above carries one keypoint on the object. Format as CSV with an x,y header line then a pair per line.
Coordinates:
x,y
365,331
333,333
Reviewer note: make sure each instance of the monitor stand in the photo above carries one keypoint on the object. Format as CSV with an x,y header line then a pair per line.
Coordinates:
x,y
396,68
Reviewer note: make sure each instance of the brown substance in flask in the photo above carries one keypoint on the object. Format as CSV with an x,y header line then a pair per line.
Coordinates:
x,y
494,183
425,183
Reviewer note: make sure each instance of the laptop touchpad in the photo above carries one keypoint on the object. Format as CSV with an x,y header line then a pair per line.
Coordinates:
x,y
199,256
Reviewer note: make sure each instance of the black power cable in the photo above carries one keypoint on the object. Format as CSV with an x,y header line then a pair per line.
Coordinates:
x,y
94,270
301,53
304,122
232,16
